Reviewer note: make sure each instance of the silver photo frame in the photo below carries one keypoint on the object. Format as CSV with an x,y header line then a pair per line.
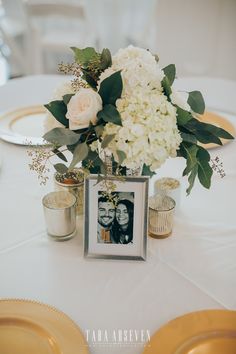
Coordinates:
x,y
116,218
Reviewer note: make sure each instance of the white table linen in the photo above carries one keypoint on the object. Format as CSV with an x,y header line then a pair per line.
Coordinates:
x,y
194,269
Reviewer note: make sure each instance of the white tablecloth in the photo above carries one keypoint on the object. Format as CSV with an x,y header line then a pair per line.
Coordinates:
x,y
193,269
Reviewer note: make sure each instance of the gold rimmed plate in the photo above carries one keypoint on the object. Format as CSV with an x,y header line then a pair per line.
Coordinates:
x,y
203,332
219,121
32,327
23,126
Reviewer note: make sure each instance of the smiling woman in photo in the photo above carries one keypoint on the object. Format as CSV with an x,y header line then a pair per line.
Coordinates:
x,y
123,224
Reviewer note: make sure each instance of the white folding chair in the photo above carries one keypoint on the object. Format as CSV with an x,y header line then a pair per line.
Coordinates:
x,y
53,28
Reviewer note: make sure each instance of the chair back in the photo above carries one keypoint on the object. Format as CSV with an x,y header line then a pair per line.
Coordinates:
x,y
54,9
14,9
53,28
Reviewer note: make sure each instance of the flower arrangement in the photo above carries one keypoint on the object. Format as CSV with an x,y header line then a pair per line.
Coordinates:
x,y
125,107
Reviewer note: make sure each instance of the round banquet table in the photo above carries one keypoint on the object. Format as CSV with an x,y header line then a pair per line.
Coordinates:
x,y
194,269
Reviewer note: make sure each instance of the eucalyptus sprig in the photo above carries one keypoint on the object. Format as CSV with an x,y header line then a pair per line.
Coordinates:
x,y
92,63
194,132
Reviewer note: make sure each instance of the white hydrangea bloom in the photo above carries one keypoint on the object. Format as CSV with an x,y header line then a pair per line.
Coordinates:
x,y
138,68
149,133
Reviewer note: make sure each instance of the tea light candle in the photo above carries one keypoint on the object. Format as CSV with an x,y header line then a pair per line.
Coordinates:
x,y
168,186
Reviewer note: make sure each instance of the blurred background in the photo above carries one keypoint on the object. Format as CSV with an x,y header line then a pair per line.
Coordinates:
x,y
197,35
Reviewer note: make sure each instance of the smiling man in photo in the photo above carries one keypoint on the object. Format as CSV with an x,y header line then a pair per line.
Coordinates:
x,y
106,216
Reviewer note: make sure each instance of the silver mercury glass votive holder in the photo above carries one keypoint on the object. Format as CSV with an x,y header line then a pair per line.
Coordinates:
x,y
161,216
60,215
72,182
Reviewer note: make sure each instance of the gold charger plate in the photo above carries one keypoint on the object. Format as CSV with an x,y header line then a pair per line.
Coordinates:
x,y
23,126
203,332
28,327
219,121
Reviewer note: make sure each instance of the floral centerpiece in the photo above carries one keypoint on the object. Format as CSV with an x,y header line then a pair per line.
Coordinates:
x,y
125,107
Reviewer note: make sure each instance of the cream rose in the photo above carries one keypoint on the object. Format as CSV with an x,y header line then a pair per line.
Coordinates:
x,y
83,108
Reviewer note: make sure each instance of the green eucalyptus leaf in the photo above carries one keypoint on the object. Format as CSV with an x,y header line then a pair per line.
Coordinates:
x,y
166,87
106,141
204,173
61,168
193,125
205,133
191,157
205,137
185,172
94,157
217,131
80,153
110,114
111,88
92,162
61,136
122,171
147,172
197,164
58,109
203,154
189,138
196,102
87,76
204,168
66,98
183,116
191,179
84,56
99,130
121,156
222,133
190,152
170,72
106,59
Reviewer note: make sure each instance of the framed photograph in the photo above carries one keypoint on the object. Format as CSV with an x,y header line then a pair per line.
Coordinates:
x,y
116,218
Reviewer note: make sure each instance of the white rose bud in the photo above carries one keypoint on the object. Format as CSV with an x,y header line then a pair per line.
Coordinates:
x,y
83,108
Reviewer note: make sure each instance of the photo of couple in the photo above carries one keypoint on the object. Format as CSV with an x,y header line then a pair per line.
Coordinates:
x,y
115,218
